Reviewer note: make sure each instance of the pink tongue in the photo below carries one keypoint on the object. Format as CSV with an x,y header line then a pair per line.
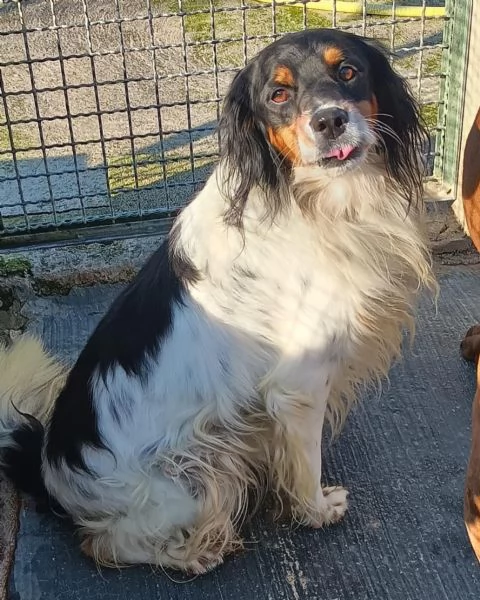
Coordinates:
x,y
340,153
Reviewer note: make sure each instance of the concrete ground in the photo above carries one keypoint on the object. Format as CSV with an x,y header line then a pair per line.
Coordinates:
x,y
402,456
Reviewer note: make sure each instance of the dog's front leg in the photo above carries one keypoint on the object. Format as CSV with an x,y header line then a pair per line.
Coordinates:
x,y
297,458
470,348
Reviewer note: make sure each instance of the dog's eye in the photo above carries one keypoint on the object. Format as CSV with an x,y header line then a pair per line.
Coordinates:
x,y
347,73
280,96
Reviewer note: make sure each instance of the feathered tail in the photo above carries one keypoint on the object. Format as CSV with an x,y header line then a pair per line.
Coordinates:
x,y
30,381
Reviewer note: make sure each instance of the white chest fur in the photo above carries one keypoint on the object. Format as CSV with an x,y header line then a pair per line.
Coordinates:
x,y
319,291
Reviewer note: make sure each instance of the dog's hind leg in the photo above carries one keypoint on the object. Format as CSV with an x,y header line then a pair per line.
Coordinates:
x,y
185,514
118,546
472,484
168,530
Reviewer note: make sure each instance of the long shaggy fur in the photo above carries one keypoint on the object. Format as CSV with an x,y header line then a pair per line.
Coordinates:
x,y
282,291
30,380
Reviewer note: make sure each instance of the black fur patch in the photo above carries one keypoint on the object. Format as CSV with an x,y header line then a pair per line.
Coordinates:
x,y
250,160
133,329
22,462
397,110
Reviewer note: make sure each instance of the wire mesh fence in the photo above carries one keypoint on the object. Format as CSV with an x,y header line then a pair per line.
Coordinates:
x,y
108,108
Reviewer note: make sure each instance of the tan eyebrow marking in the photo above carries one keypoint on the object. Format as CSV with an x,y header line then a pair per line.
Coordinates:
x,y
283,76
333,55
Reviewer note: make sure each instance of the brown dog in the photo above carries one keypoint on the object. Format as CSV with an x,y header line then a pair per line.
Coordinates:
x,y
470,346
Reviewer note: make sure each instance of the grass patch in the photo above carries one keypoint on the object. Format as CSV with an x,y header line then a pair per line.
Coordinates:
x,y
291,18
406,63
429,114
287,18
19,141
4,138
5,145
121,172
149,171
146,193
432,63
230,25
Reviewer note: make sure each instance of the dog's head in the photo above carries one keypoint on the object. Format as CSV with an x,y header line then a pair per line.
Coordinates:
x,y
321,98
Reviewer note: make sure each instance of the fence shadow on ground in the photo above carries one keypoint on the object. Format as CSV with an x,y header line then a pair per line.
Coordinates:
x,y
59,191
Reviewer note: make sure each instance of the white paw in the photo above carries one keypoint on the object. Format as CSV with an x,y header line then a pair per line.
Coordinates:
x,y
336,503
203,564
196,565
331,506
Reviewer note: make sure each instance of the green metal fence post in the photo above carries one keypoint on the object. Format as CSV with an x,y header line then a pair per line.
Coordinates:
x,y
454,65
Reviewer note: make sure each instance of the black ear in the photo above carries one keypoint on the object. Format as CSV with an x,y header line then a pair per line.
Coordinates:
x,y
248,159
404,138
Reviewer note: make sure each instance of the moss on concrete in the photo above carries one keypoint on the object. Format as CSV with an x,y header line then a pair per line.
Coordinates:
x,y
15,265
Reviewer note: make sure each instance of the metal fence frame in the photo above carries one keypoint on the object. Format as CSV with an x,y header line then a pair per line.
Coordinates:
x,y
212,14
454,64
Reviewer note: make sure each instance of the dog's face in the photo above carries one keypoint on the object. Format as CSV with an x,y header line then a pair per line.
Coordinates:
x,y
323,99
317,101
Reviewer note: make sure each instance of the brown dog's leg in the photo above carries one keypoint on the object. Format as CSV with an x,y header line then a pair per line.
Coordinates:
x,y
471,343
471,351
470,346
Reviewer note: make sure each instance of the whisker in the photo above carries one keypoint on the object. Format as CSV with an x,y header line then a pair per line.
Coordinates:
x,y
381,141
381,115
387,130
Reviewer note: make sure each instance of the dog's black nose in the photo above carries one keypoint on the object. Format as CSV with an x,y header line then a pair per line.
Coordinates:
x,y
329,121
